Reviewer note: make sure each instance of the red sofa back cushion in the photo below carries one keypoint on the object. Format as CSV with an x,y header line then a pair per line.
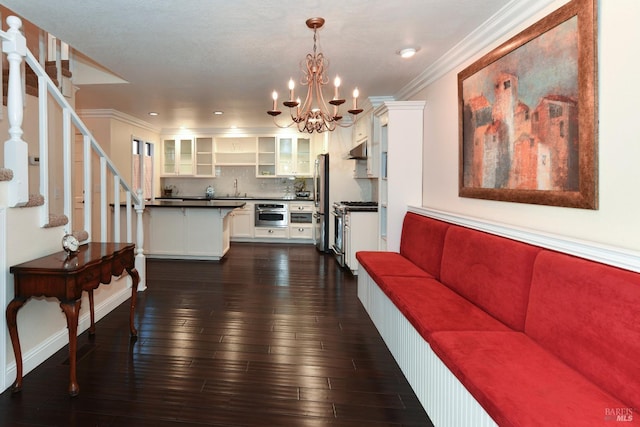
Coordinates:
x,y
422,240
588,315
491,271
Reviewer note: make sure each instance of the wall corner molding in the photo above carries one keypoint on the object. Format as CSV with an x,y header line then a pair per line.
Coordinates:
x,y
109,113
501,23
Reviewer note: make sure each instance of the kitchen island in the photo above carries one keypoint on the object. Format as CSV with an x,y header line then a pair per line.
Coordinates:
x,y
190,229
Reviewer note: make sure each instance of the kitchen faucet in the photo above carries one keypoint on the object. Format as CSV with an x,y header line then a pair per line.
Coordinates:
x,y
235,188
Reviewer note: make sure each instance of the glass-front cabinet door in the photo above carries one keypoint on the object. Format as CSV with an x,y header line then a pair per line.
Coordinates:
x,y
284,154
293,156
303,156
169,157
177,157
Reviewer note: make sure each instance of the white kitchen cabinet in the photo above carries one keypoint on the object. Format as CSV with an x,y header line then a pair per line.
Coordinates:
x,y
301,220
204,165
202,238
360,234
266,165
177,157
400,127
235,151
167,231
362,128
293,156
242,222
271,232
188,233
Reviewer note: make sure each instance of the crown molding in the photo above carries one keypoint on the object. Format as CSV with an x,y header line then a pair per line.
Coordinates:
x,y
511,16
109,113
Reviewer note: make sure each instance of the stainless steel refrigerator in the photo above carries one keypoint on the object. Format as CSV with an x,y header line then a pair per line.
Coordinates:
x,y
321,197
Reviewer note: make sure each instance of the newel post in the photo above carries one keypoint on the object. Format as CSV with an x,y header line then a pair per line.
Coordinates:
x,y
141,264
16,153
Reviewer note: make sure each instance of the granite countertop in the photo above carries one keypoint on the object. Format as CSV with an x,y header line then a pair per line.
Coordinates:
x,y
229,198
198,203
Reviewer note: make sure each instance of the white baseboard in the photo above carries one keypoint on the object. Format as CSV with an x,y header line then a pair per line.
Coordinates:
x,y
40,353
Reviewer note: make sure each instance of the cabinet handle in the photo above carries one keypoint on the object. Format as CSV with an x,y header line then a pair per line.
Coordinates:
x,y
270,231
301,229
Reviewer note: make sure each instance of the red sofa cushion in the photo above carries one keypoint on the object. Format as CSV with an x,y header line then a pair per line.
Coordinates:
x,y
588,314
491,271
379,264
519,383
422,240
430,306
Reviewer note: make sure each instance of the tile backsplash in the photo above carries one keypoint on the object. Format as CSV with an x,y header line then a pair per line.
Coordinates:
x,y
223,183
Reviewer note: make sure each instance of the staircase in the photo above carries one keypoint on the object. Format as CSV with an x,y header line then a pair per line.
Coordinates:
x,y
33,223
31,79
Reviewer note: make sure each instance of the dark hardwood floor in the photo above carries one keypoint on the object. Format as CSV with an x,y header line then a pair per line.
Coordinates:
x,y
273,335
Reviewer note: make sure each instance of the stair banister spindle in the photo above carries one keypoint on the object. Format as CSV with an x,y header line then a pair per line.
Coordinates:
x,y
116,208
67,167
88,190
58,63
129,214
16,152
103,199
141,265
43,147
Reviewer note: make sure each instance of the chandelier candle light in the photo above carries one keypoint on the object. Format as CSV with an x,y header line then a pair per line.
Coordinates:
x,y
314,114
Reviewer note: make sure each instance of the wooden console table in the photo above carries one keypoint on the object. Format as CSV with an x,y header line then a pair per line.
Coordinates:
x,y
65,278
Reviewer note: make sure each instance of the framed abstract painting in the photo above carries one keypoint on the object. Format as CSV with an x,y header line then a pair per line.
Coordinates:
x,y
528,115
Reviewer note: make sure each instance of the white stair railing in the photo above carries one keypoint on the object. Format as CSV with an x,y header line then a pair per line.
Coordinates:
x,y
16,154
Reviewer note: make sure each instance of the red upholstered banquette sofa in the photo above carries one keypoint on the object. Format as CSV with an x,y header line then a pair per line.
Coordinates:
x,y
491,330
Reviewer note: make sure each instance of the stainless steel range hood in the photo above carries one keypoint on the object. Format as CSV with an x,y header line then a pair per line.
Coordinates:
x,y
359,152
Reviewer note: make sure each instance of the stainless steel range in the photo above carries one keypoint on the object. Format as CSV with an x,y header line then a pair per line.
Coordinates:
x,y
340,213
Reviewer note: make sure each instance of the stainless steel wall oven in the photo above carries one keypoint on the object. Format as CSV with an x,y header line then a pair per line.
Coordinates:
x,y
272,215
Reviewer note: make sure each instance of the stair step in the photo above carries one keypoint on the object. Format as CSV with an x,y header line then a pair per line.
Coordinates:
x,y
6,174
57,220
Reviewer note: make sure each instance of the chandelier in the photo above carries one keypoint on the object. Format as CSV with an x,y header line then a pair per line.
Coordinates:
x,y
314,115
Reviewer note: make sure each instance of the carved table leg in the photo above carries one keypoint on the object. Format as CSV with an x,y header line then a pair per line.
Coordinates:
x,y
135,279
92,327
71,310
12,314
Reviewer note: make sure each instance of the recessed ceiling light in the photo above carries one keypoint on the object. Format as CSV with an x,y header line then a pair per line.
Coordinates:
x,y
218,113
407,52
153,113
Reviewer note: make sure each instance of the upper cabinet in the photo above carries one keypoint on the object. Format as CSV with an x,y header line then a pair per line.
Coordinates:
x,y
364,133
293,156
177,157
204,165
271,156
266,166
235,151
362,128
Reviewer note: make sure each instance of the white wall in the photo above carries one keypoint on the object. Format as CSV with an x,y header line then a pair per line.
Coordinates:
x,y
615,223
42,326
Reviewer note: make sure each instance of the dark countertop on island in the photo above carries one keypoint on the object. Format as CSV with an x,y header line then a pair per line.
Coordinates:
x,y
227,198
197,203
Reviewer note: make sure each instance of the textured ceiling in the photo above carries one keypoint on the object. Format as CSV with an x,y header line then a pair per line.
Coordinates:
x,y
186,59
